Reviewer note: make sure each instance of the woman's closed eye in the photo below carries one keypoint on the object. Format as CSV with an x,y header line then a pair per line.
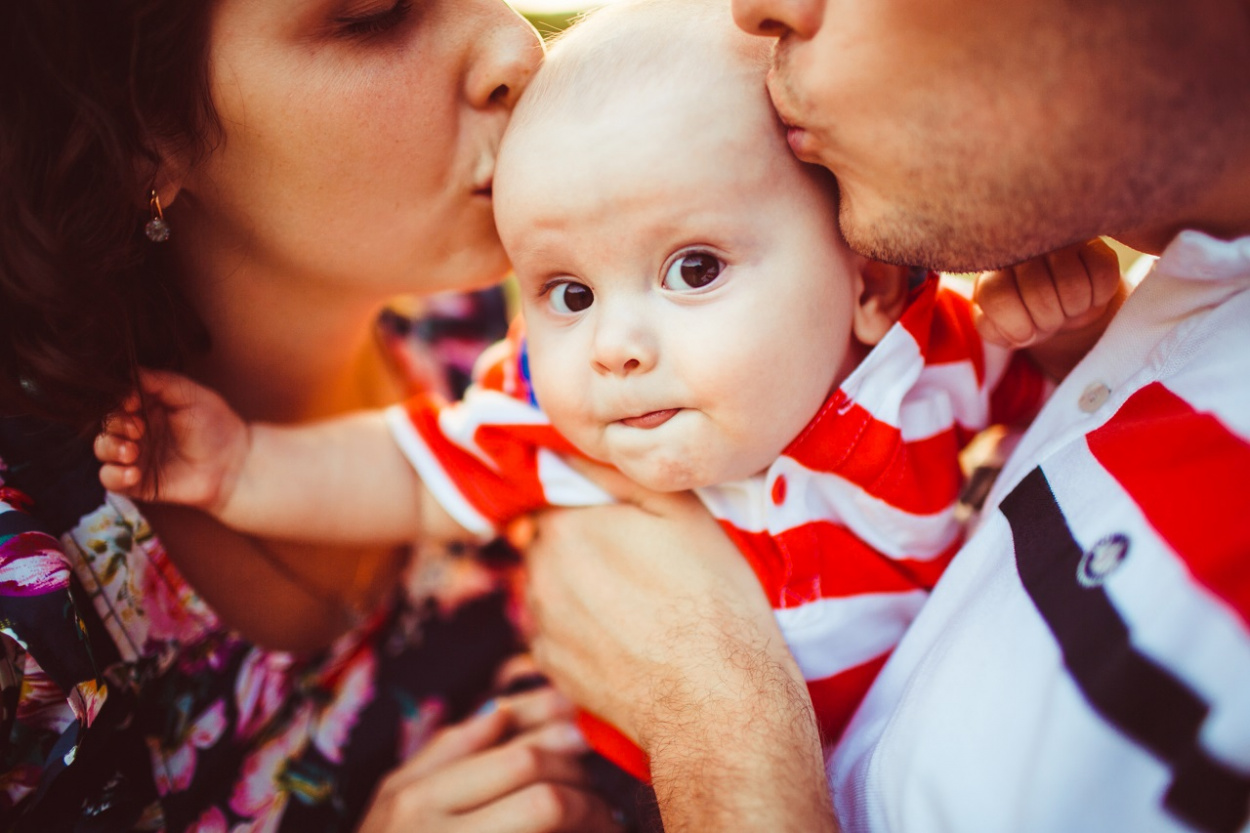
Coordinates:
x,y
692,271
373,21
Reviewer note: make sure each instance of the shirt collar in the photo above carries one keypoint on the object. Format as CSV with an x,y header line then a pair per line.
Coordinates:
x,y
1199,256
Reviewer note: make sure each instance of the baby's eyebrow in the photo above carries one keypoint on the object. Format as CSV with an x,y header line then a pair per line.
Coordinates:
x,y
533,252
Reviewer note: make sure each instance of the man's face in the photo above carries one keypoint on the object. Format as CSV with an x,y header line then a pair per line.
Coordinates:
x,y
975,133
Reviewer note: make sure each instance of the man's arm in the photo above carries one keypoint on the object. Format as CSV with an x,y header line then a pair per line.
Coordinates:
x,y
650,618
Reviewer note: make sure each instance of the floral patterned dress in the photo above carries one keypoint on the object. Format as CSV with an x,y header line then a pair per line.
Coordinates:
x,y
125,704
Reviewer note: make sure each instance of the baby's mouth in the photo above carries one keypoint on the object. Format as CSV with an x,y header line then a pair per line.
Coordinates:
x,y
654,419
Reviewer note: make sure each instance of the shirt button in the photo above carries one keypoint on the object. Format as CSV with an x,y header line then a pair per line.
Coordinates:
x,y
1094,397
779,490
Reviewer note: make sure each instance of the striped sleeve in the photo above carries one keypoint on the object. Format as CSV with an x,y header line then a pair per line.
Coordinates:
x,y
493,455
1010,386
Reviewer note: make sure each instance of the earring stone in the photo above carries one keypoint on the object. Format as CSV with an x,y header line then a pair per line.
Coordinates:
x,y
157,230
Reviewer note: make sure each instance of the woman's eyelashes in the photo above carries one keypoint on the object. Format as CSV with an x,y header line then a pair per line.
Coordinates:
x,y
370,23
569,297
692,271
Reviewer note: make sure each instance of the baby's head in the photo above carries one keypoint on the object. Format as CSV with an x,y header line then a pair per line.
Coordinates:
x,y
688,299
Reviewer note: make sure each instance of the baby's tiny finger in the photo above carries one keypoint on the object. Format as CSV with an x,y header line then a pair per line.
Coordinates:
x,y
989,332
1104,269
1041,300
997,298
126,425
132,427
109,448
117,478
1073,283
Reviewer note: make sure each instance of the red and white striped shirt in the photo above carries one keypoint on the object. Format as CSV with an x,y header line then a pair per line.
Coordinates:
x,y
847,529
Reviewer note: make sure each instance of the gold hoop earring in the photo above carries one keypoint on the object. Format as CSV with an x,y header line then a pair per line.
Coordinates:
x,y
156,229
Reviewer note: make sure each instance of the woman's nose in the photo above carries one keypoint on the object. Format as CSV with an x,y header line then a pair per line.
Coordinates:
x,y
506,60
776,18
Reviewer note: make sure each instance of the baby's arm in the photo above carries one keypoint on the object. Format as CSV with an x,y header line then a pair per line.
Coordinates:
x,y
341,481
1055,306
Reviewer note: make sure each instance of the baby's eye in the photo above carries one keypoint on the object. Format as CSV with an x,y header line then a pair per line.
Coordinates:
x,y
693,270
568,297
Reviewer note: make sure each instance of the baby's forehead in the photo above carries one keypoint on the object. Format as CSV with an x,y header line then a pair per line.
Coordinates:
x,y
641,86
654,131
645,49
669,99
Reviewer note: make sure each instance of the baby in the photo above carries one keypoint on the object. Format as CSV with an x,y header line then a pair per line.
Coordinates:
x,y
691,317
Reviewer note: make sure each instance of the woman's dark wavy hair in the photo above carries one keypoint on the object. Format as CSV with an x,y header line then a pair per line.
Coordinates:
x,y
89,89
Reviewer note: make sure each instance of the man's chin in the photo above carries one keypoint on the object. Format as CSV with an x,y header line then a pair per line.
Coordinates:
x,y
909,241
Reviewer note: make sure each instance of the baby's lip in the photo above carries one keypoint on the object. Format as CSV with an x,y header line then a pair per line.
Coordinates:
x,y
651,419
484,189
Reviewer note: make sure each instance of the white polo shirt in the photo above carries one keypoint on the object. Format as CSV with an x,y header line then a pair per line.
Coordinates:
x,y
1084,663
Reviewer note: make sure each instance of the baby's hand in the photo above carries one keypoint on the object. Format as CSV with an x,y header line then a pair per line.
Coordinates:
x,y
193,453
1064,290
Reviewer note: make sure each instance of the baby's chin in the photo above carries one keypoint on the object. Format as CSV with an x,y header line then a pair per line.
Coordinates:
x,y
666,476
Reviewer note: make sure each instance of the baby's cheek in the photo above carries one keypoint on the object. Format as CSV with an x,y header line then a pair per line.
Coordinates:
x,y
572,419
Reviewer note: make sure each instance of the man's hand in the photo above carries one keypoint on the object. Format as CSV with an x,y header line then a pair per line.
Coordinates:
x,y
647,615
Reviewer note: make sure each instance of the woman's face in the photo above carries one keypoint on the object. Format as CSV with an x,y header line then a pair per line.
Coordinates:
x,y
358,140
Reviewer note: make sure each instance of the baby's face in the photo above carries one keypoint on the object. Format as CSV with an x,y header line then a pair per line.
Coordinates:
x,y
686,293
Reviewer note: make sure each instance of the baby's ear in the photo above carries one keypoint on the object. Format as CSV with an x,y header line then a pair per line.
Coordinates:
x,y
882,295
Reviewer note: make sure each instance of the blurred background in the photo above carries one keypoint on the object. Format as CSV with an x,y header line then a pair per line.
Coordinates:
x,y
550,16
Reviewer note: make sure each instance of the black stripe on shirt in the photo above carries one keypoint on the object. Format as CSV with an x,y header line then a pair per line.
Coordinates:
x,y
1141,698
